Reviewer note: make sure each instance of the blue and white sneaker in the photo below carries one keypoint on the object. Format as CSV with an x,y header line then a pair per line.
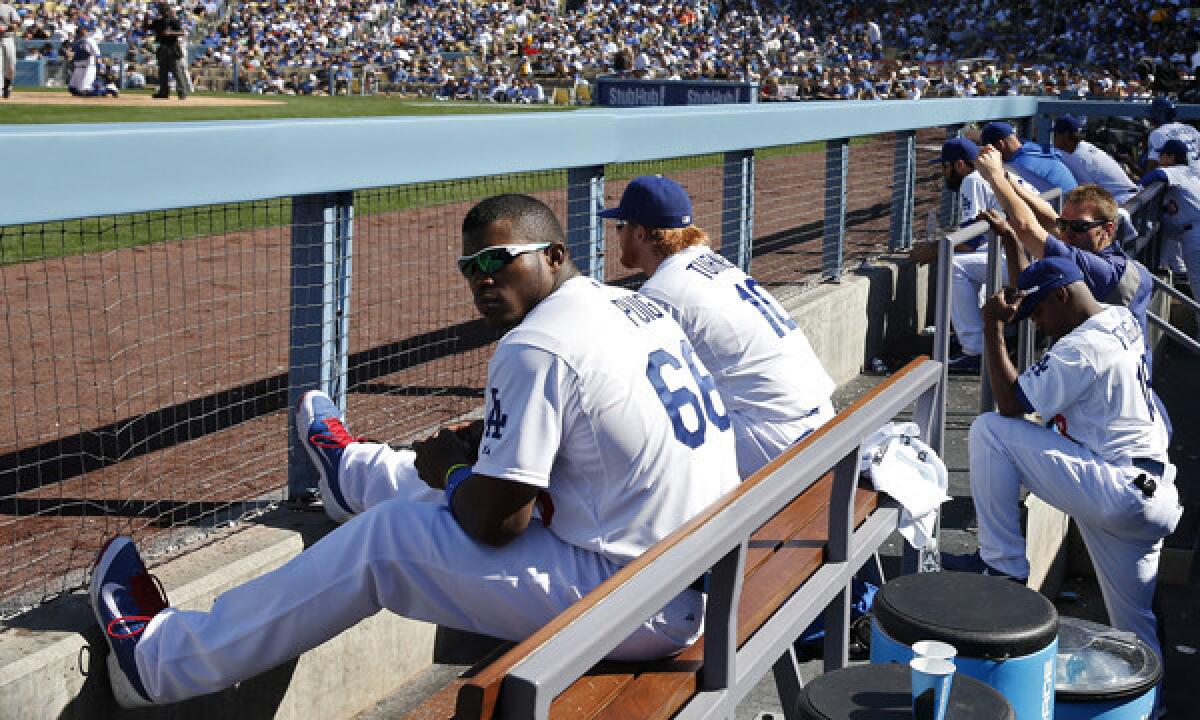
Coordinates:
x,y
319,425
125,598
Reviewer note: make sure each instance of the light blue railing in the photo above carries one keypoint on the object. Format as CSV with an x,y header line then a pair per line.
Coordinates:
x,y
319,167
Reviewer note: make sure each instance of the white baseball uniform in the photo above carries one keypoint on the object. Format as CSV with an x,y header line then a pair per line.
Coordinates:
x,y
597,398
1175,131
1092,384
8,44
768,376
1090,164
1181,216
969,274
83,65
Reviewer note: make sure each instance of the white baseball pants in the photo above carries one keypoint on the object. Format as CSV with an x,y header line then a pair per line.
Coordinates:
x,y
1123,529
759,442
8,58
404,553
968,280
82,78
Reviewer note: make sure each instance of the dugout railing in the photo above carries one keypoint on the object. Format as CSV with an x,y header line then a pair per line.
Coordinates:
x,y
160,321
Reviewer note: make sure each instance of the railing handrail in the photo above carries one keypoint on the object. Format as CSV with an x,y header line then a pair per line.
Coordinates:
x,y
639,590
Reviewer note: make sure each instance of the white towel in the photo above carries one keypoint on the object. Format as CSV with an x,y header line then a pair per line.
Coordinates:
x,y
900,464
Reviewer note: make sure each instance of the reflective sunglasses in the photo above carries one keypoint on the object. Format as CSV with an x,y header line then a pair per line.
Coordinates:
x,y
1079,226
493,259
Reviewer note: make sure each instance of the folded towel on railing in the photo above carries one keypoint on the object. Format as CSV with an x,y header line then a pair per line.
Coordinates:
x,y
900,464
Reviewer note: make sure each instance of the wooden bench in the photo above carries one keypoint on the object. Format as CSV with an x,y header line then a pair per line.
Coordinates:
x,y
785,553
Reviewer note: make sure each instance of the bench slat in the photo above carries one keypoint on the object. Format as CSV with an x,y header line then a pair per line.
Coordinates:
x,y
478,697
660,695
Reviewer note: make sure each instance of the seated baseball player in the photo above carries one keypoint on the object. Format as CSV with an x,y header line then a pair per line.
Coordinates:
x,y
770,381
1103,461
969,273
597,411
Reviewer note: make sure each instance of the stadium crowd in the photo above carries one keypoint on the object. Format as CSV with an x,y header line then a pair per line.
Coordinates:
x,y
505,49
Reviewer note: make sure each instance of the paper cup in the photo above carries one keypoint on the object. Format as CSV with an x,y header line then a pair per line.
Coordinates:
x,y
934,649
931,680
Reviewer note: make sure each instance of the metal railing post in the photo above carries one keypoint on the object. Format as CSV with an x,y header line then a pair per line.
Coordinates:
x,y
322,243
585,230
903,184
837,156
841,530
737,208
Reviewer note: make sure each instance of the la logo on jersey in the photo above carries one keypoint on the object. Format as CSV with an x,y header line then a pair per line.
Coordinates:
x,y
496,420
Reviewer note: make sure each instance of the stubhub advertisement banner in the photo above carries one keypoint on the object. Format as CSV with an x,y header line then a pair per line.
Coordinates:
x,y
621,92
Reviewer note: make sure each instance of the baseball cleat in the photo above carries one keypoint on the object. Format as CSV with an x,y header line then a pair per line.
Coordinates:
x,y
124,598
324,436
964,364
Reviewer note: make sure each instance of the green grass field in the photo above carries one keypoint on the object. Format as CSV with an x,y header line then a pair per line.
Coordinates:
x,y
103,110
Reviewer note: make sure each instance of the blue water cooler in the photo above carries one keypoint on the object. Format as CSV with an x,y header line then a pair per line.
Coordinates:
x,y
1006,635
1104,674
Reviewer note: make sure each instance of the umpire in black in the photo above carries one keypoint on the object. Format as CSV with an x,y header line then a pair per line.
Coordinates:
x,y
168,32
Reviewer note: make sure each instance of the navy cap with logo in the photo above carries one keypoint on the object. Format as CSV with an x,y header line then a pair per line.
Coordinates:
x,y
1175,147
1040,279
653,201
956,149
994,132
1067,124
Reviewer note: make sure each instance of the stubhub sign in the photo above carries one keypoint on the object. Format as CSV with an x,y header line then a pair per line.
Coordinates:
x,y
620,92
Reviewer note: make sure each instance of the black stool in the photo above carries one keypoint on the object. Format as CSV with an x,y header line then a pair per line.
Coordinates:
x,y
884,692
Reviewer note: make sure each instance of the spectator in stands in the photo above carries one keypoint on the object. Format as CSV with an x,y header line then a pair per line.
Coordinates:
x,y
1040,168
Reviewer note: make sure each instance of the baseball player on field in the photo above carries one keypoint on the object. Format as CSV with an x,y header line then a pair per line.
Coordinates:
x,y
770,381
10,23
1181,204
969,274
597,413
84,52
1104,462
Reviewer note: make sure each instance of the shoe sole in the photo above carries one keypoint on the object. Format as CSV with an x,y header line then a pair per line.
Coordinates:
x,y
304,420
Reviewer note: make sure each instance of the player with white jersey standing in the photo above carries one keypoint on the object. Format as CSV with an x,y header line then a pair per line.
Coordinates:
x,y
597,412
769,378
1088,163
1181,205
1162,116
1104,462
10,24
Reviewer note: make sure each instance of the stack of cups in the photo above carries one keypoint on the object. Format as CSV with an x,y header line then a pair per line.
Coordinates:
x,y
932,674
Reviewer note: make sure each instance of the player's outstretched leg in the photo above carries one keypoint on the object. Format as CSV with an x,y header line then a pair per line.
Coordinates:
x,y
124,597
324,435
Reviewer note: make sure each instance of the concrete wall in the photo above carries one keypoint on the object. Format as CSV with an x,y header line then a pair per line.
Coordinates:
x,y
52,659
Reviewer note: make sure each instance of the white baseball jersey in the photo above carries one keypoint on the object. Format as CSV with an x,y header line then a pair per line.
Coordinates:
x,y
765,368
975,195
1090,164
1093,383
1176,131
632,436
1181,204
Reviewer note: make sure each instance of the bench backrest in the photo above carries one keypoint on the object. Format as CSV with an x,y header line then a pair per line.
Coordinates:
x,y
525,680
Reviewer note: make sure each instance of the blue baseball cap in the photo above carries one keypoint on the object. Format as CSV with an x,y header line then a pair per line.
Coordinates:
x,y
993,132
1162,110
1042,278
1175,147
956,149
1067,124
653,201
